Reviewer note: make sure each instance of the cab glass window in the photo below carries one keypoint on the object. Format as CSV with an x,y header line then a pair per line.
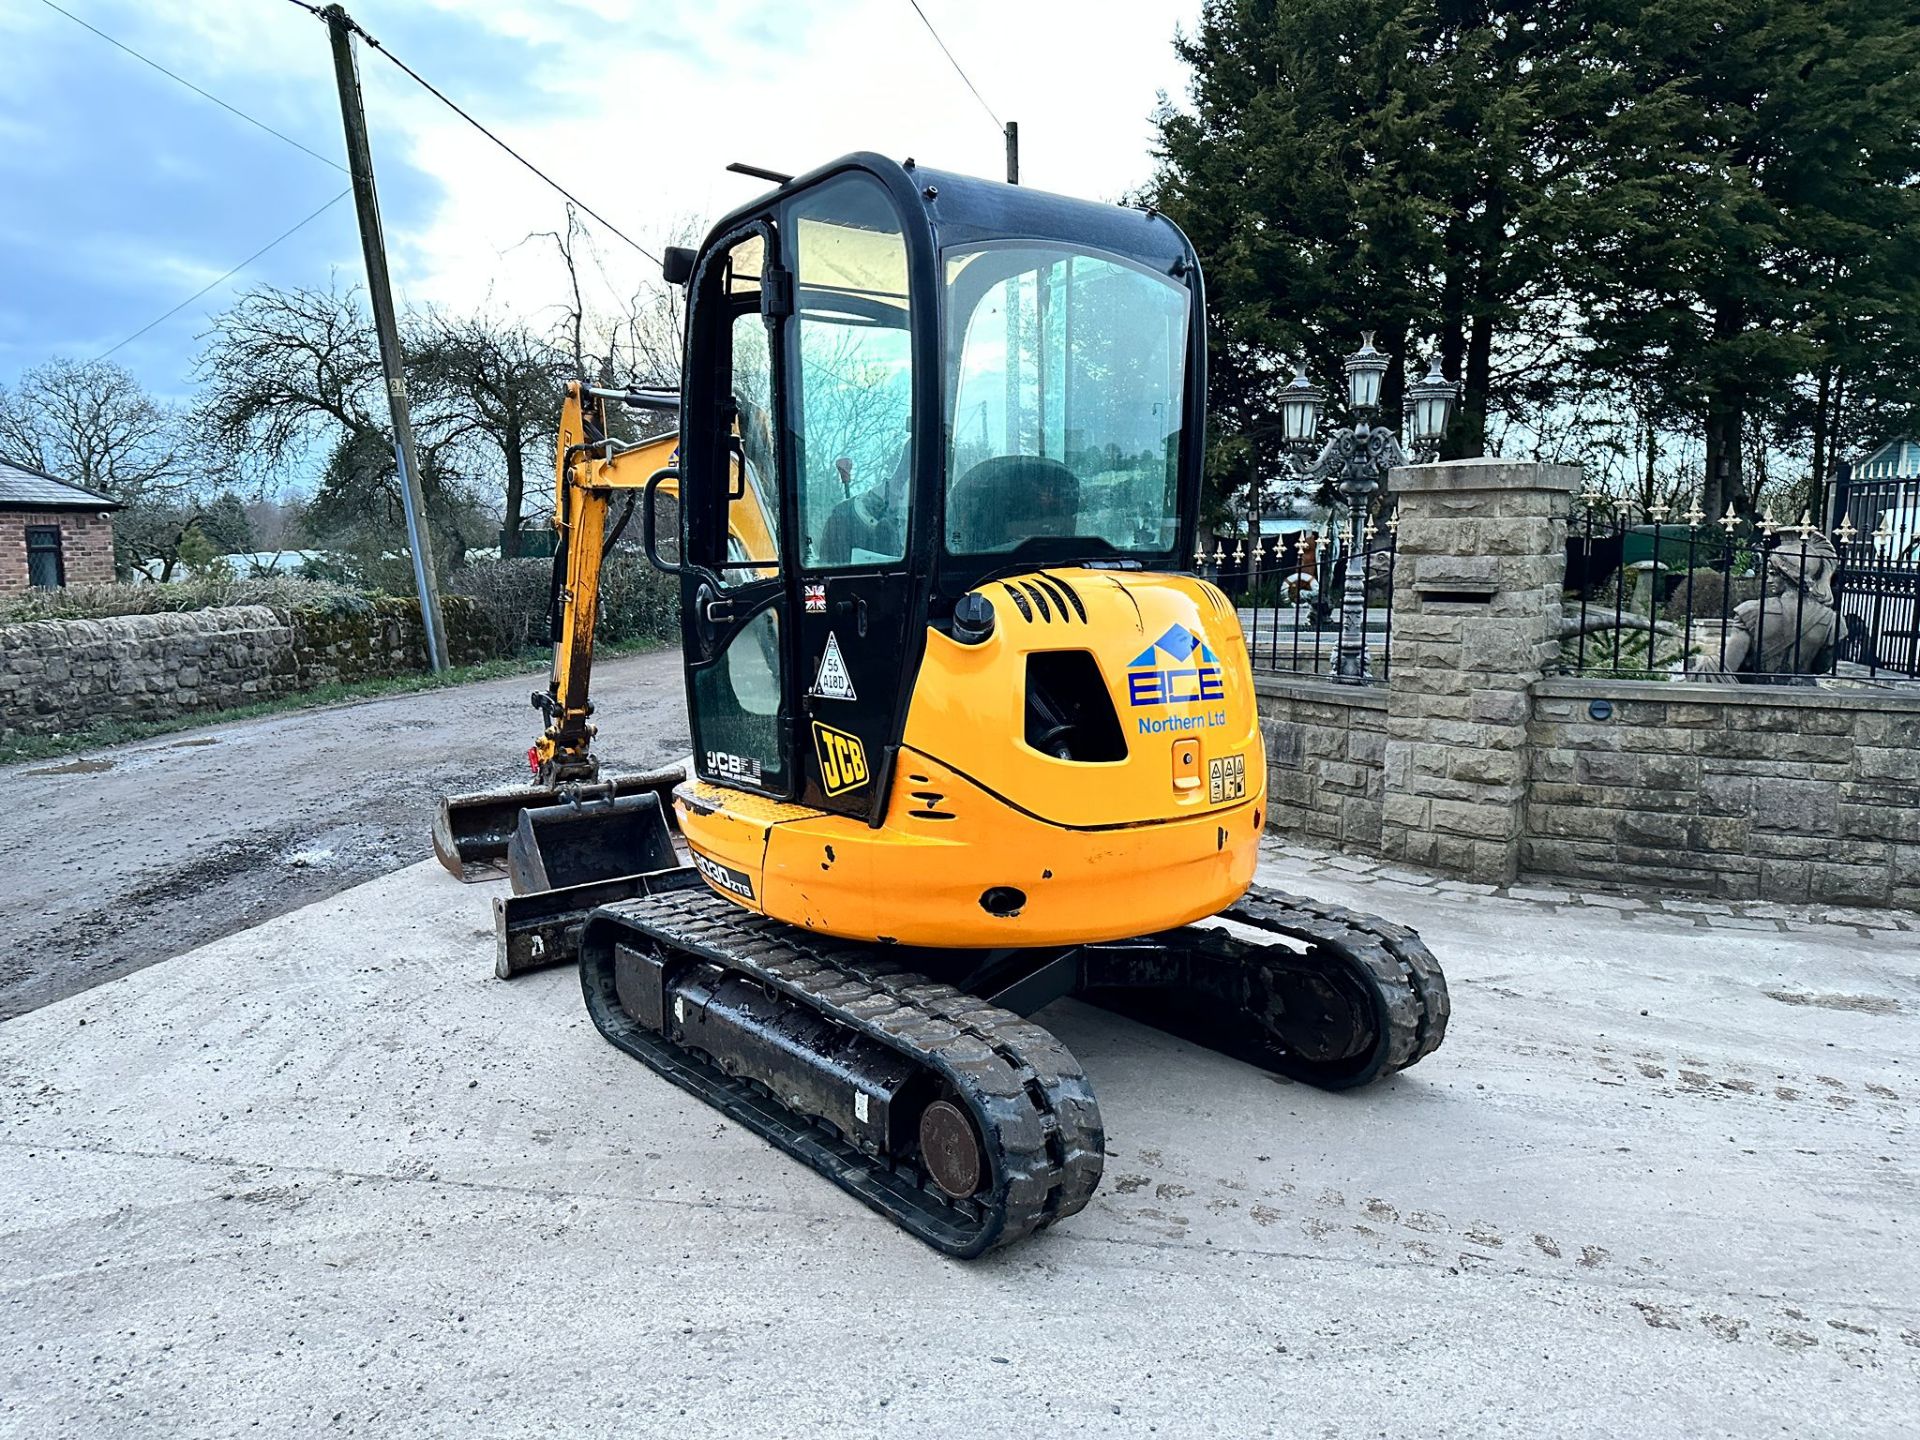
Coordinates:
x,y
1064,409
852,398
737,704
753,507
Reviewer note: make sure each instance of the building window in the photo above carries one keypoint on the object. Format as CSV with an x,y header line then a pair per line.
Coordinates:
x,y
46,570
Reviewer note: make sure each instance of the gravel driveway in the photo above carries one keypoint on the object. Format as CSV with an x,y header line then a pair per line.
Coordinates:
x,y
126,856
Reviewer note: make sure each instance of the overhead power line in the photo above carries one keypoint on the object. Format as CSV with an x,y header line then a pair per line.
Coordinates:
x,y
956,64
437,94
205,95
283,235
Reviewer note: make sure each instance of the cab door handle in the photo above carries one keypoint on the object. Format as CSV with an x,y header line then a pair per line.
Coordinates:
x,y
857,608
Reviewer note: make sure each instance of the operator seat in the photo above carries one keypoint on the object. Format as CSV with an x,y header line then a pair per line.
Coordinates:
x,y
1002,501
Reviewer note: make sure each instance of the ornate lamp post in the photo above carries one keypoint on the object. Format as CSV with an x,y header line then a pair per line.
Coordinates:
x,y
1357,461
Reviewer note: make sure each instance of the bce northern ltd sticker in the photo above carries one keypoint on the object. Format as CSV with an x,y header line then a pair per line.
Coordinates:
x,y
1178,670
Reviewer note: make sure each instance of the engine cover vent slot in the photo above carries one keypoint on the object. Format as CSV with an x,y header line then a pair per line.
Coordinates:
x,y
1039,597
1064,595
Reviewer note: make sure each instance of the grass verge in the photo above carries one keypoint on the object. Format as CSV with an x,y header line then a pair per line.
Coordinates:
x,y
115,732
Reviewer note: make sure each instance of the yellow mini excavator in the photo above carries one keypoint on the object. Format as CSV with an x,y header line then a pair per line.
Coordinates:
x,y
968,737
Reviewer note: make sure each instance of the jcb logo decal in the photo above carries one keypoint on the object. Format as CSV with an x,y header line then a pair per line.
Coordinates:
x,y
843,759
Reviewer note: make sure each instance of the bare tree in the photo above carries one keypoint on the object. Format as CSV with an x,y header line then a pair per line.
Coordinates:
x,y
90,422
287,373
639,340
510,381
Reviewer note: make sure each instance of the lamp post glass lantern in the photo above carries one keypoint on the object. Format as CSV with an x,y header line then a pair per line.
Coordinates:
x,y
1301,404
1356,460
1365,369
1430,406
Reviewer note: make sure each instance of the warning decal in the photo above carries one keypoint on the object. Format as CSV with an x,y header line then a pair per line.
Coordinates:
x,y
833,682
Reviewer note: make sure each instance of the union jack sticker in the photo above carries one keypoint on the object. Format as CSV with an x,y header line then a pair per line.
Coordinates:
x,y
816,599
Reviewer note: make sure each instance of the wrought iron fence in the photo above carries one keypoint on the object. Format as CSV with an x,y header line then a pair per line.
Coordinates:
x,y
1654,594
1289,588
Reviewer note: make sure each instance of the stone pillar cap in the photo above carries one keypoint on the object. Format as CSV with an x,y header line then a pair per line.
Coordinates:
x,y
1486,472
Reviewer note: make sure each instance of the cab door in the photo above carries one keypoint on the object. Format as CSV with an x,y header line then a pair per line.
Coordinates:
x,y
849,409
735,610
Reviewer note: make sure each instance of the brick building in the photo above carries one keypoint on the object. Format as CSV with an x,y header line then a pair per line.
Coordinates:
x,y
51,533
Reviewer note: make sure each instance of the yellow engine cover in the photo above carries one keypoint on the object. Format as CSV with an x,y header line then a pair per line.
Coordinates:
x,y
989,842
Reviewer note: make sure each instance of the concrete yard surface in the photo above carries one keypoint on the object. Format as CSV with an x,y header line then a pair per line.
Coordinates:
x,y
329,1176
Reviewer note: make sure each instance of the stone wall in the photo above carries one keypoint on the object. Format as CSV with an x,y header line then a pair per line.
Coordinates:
x,y
1736,791
383,639
58,676
1473,761
1326,746
61,676
86,546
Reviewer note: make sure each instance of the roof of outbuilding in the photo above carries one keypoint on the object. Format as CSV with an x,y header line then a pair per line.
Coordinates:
x,y
1897,459
24,488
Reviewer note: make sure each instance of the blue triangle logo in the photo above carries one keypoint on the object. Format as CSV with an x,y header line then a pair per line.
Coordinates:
x,y
1179,642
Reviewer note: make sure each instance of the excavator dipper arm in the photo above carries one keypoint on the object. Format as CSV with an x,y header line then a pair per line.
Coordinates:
x,y
473,834
589,466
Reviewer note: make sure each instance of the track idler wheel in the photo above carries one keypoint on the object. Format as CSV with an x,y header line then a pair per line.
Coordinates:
x,y
950,1149
1329,1026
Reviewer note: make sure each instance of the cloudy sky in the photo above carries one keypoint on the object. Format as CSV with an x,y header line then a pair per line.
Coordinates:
x,y
124,192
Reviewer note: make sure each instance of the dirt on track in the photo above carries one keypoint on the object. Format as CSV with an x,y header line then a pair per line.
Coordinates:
x,y
123,857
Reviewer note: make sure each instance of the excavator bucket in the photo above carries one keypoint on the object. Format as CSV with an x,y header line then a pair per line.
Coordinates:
x,y
542,929
567,860
582,840
471,834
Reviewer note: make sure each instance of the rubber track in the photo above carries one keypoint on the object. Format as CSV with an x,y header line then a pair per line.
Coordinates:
x,y
1025,1089
1406,979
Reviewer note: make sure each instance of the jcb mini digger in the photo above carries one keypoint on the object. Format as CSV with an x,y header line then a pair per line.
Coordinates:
x,y
967,737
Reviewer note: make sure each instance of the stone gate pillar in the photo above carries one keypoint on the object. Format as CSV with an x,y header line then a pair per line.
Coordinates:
x,y
1476,616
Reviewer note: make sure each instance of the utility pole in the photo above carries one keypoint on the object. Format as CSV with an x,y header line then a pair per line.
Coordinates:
x,y
1013,152
340,28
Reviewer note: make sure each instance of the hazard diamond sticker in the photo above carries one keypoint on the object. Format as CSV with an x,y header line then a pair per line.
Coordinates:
x,y
833,682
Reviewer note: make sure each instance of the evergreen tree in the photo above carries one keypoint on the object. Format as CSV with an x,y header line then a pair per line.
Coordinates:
x,y
224,523
1710,205
1744,217
1363,162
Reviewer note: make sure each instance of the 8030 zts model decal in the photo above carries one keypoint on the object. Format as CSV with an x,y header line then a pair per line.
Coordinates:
x,y
735,882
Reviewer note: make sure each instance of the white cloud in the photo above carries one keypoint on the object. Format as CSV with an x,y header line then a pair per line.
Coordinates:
x,y
653,102
636,105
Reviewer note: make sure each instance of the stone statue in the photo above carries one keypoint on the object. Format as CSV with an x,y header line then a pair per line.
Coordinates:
x,y
1792,627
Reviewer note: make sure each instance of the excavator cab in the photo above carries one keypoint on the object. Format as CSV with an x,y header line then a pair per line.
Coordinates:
x,y
935,381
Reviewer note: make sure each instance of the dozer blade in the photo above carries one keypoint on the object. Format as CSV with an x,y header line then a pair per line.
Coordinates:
x,y
587,839
541,930
472,832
